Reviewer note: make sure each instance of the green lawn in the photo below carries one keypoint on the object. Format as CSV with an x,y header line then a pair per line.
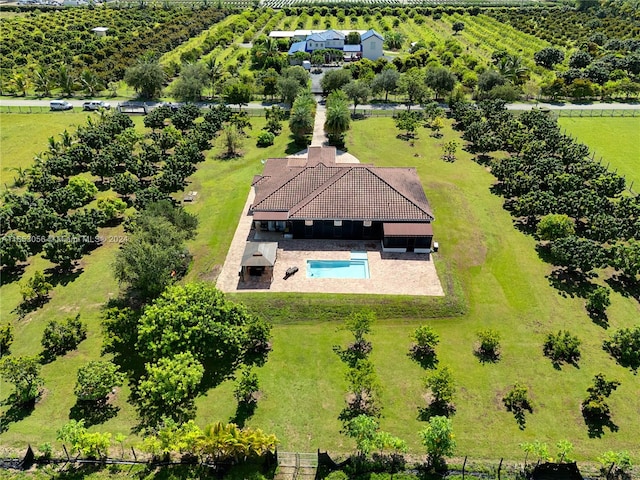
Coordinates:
x,y
615,140
303,382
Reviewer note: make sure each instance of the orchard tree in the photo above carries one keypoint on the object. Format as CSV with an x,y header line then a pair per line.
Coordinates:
x,y
93,445
439,441
36,289
366,432
24,373
6,338
59,338
487,347
457,27
548,57
423,348
192,81
624,346
517,401
441,387
168,389
580,59
96,380
562,347
598,301
576,253
63,249
13,250
555,226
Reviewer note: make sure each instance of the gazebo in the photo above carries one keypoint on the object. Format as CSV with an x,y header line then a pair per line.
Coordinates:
x,y
258,260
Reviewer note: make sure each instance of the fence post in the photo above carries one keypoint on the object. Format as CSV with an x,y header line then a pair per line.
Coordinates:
x,y
464,464
134,454
500,468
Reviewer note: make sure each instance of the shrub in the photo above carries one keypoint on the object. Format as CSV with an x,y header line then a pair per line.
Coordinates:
x,y
423,350
487,347
60,338
517,401
624,346
247,388
442,387
562,347
265,139
96,380
6,338
554,226
598,301
621,460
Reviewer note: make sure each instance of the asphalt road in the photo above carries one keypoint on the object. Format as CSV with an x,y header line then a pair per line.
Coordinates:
x,y
17,102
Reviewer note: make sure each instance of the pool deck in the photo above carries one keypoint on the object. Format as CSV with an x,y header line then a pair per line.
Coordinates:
x,y
390,273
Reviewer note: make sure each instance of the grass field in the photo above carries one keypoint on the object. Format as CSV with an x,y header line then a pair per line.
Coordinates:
x,y
303,382
615,140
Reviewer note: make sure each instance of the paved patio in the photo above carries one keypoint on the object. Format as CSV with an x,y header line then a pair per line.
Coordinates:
x,y
390,273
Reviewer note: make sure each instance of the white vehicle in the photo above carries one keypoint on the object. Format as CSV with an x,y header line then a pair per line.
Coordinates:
x,y
57,105
95,105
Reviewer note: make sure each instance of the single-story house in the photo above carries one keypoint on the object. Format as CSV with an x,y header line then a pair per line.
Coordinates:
x,y
258,260
319,198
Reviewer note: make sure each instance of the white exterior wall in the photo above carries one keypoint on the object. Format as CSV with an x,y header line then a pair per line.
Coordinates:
x,y
372,48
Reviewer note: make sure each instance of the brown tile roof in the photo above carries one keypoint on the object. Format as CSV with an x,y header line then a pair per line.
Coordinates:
x,y
326,190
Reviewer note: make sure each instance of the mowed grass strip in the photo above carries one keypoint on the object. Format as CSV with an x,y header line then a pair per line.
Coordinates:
x,y
615,139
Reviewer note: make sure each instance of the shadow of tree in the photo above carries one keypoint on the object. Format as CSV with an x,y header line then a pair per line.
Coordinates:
x,y
10,275
434,409
16,412
93,412
425,361
625,286
56,276
244,411
29,306
597,424
571,283
599,318
486,356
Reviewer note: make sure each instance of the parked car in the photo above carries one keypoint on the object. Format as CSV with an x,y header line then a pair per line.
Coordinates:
x,y
60,105
95,105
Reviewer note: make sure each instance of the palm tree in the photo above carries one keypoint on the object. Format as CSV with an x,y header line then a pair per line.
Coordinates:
x,y
90,82
512,68
65,80
42,81
215,73
338,119
20,83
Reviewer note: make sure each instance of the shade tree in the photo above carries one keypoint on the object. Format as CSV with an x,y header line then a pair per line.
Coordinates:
x,y
59,338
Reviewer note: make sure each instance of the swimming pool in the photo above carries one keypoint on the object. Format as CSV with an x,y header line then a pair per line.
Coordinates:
x,y
354,268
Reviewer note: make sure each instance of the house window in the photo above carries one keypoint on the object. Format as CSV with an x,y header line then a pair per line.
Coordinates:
x,y
337,223
372,46
308,223
367,223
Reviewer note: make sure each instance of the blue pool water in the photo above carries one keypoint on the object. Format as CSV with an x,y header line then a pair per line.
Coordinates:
x,y
354,268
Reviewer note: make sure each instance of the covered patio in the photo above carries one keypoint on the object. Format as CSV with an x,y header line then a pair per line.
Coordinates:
x,y
258,261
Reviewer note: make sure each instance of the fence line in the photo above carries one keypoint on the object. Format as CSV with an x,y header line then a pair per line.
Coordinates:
x,y
596,112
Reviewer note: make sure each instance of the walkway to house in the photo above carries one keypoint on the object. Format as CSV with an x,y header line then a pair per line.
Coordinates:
x,y
319,137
